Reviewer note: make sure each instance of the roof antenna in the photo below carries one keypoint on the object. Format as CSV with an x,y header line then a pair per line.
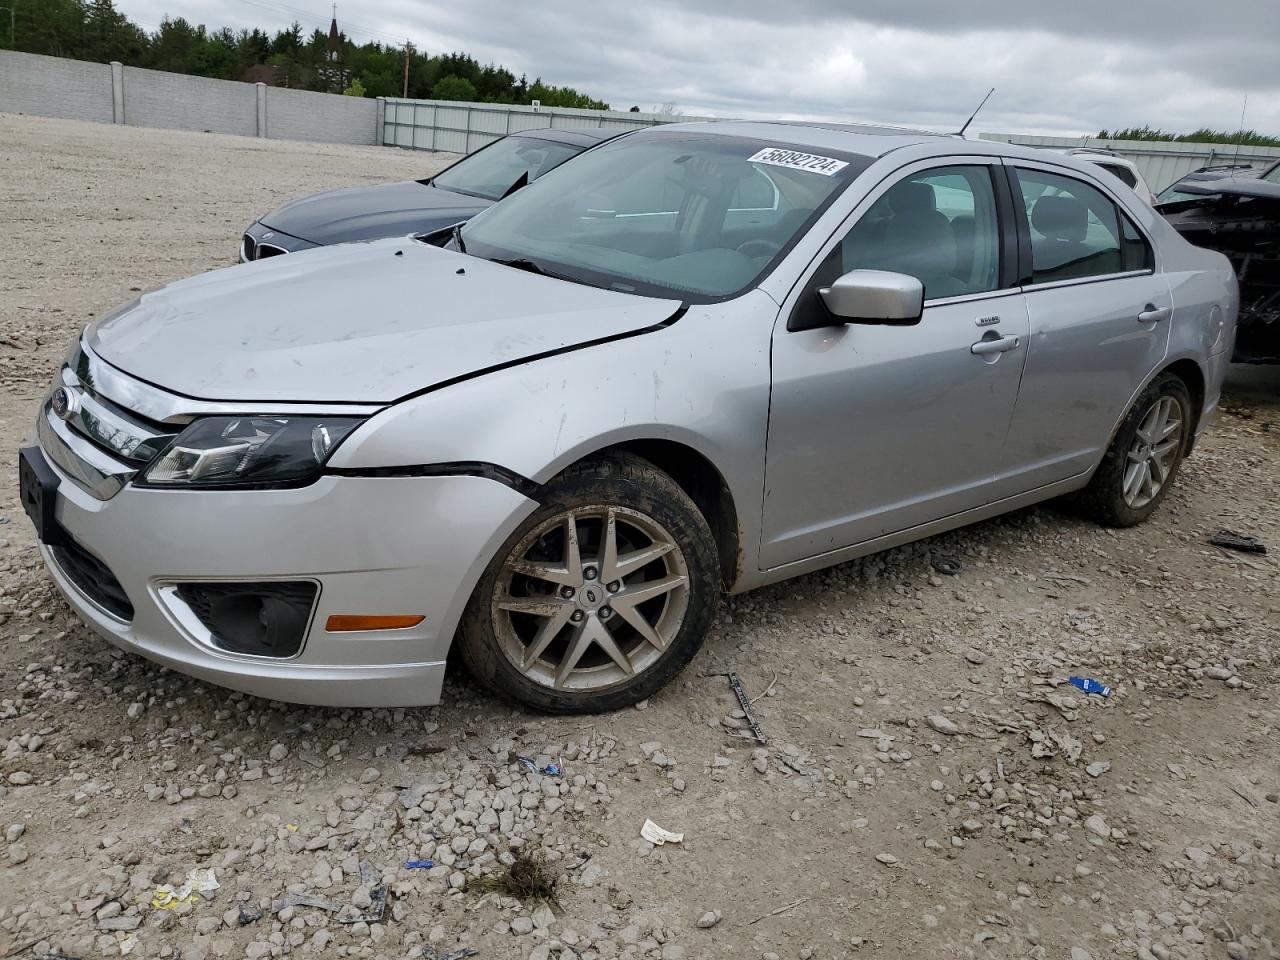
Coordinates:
x,y
1240,135
975,112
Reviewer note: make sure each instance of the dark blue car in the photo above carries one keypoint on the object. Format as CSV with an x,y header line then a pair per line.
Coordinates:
x,y
456,194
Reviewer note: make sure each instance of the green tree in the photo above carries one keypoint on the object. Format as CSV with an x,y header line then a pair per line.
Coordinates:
x,y
452,87
51,27
109,35
96,30
1249,138
356,89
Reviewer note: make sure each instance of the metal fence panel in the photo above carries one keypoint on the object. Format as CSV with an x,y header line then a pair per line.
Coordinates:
x,y
1161,162
466,127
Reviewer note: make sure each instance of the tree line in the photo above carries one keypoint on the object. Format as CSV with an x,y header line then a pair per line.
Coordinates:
x,y
96,30
1248,138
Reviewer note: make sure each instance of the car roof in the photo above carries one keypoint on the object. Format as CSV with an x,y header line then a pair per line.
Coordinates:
x,y
865,139
582,136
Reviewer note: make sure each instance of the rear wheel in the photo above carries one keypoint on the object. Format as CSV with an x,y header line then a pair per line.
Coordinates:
x,y
1140,465
600,597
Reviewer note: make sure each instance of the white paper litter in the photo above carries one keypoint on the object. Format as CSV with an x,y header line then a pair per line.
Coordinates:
x,y
657,836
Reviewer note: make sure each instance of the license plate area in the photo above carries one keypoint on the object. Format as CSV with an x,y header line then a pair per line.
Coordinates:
x,y
38,490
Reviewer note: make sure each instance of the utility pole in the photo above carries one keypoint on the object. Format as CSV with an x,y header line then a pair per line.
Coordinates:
x,y
408,48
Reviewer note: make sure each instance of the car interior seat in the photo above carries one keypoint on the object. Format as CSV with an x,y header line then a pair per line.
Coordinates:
x,y
1059,251
916,239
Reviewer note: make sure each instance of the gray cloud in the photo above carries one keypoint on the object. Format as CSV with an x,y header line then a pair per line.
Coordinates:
x,y
1067,68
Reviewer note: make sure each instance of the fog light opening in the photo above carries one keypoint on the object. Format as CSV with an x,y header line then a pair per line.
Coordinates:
x,y
258,619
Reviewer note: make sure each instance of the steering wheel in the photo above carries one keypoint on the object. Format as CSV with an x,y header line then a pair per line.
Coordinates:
x,y
758,248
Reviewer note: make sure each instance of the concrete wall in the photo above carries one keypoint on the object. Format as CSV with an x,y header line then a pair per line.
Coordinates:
x,y
320,117
52,87
110,93
179,102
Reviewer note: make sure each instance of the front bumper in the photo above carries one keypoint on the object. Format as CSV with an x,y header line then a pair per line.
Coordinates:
x,y
373,545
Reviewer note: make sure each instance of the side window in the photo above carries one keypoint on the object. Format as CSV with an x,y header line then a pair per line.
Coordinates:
x,y
1075,228
1137,252
650,192
755,192
1124,173
939,226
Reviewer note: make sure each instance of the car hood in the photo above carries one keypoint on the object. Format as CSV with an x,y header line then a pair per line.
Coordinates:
x,y
1236,187
368,213
363,323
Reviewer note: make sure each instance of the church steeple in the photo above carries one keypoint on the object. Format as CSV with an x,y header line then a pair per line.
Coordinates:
x,y
334,45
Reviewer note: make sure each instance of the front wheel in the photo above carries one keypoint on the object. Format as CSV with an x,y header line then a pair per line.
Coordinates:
x,y
600,597
1140,465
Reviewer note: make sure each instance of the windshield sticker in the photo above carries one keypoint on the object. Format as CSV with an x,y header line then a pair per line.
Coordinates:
x,y
798,161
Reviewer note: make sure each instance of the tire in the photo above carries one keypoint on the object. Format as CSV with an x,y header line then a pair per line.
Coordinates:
x,y
514,637
1107,499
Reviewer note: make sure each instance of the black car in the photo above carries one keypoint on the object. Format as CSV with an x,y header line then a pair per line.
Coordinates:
x,y
1237,213
456,194
1219,171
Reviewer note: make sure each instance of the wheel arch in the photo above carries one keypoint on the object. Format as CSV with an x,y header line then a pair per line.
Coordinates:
x,y
695,473
1187,369
1190,373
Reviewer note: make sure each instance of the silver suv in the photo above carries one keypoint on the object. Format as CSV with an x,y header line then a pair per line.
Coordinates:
x,y
699,358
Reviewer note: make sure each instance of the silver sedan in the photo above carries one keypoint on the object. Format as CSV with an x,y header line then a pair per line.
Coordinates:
x,y
699,358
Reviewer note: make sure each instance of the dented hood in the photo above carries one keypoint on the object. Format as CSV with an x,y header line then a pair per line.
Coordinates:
x,y
355,323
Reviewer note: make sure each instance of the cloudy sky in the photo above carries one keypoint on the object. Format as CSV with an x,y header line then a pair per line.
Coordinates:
x,y
1067,66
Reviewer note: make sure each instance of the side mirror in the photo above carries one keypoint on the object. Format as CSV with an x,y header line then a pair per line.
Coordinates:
x,y
875,297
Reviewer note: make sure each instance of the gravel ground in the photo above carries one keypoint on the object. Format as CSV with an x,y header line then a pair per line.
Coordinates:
x,y
931,786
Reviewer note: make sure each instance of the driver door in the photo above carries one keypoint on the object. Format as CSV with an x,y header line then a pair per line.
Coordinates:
x,y
876,429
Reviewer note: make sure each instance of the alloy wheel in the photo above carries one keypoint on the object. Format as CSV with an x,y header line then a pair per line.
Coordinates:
x,y
590,598
1154,452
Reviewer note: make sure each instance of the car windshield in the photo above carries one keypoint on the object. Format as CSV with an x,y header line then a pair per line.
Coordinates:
x,y
491,172
1173,195
697,216
1272,175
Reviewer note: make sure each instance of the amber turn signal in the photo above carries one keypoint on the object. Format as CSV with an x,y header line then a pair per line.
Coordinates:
x,y
345,623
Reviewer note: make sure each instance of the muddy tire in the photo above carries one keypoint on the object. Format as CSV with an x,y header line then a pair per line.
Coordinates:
x,y
1143,460
600,597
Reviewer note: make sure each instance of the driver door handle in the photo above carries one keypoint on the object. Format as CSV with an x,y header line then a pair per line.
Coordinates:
x,y
1153,315
1002,345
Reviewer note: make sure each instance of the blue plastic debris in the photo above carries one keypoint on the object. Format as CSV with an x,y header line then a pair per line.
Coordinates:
x,y
1089,685
550,770
419,864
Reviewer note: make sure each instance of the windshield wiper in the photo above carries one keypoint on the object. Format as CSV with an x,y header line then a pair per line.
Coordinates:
x,y
523,263
457,238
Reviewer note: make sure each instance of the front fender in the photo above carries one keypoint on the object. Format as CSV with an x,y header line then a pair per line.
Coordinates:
x,y
702,382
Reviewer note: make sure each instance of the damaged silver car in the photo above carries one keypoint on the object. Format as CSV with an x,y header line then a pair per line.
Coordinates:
x,y
698,358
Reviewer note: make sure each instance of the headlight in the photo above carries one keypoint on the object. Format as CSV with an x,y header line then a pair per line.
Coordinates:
x,y
249,451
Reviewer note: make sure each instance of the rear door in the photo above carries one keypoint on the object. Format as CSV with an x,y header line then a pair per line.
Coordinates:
x,y
1100,314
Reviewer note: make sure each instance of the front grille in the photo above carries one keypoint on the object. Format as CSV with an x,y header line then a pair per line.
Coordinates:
x,y
267,619
248,248
269,250
93,578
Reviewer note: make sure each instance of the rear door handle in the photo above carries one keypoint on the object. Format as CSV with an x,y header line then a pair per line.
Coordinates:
x,y
1002,345
1153,314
